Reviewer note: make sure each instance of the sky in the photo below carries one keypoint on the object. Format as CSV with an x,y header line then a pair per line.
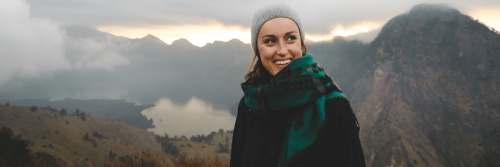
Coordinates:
x,y
203,22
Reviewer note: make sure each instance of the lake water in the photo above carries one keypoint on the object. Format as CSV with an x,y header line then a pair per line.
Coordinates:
x,y
196,117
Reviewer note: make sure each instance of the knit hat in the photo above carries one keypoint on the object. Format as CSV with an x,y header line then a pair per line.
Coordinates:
x,y
267,13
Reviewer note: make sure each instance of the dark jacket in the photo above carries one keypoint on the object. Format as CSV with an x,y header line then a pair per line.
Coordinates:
x,y
257,140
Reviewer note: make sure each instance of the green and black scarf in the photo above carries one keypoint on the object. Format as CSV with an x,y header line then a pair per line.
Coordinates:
x,y
304,86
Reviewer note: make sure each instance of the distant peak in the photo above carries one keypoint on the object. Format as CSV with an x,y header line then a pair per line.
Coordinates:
x,y
151,37
425,8
182,42
235,40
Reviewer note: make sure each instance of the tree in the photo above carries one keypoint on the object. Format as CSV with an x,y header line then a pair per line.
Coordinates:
x,y
111,155
82,116
223,148
221,131
34,108
13,150
7,104
63,112
77,112
95,134
94,143
86,137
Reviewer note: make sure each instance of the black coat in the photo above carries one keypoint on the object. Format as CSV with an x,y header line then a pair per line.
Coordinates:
x,y
257,140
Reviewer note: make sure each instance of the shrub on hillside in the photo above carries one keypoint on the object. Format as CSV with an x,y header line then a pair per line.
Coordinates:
x,y
86,137
111,155
224,148
7,104
33,108
13,150
221,131
42,159
63,112
95,134
166,145
94,143
82,116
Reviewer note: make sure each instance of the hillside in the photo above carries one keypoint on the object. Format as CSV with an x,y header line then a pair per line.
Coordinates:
x,y
206,148
120,110
426,93
63,137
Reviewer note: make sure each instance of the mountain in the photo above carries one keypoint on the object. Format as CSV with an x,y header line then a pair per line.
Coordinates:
x,y
426,92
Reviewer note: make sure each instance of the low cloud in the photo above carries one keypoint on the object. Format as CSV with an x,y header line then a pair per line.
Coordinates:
x,y
33,47
28,46
196,117
92,53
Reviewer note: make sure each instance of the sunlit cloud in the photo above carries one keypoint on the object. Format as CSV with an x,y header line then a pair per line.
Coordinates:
x,y
487,15
198,35
341,30
196,117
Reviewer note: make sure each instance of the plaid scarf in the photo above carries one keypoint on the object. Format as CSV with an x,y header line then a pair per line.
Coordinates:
x,y
301,88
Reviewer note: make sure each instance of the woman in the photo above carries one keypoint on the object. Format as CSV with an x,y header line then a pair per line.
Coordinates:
x,y
293,113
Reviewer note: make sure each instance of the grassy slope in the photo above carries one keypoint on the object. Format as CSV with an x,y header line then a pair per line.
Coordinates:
x,y
120,138
204,150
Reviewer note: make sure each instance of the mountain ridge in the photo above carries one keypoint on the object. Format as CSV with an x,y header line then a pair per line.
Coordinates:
x,y
421,86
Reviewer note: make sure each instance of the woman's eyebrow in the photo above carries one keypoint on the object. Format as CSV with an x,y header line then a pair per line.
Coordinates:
x,y
290,32
269,35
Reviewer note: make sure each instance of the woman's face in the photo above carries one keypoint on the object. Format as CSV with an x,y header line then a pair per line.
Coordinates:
x,y
279,44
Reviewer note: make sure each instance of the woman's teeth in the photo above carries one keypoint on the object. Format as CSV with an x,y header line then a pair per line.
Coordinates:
x,y
283,62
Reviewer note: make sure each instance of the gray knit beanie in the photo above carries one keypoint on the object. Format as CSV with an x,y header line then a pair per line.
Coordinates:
x,y
269,12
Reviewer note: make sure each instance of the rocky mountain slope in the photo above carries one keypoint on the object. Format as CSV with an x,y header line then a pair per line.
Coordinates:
x,y
427,90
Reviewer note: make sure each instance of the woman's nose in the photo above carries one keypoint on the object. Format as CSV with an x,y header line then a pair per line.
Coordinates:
x,y
282,50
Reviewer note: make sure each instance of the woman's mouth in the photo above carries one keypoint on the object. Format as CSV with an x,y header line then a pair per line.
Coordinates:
x,y
282,63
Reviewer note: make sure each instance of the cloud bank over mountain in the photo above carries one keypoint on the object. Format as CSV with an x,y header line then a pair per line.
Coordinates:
x,y
29,46
37,47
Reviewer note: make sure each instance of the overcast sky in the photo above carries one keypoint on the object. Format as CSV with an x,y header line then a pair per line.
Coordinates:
x,y
204,21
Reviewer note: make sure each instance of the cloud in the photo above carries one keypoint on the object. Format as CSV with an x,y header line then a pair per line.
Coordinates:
x,y
28,46
92,53
31,47
194,118
340,30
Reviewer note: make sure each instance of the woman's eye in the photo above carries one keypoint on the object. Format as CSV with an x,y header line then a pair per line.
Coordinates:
x,y
269,41
291,38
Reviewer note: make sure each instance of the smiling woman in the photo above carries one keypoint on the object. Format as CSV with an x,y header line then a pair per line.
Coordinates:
x,y
293,113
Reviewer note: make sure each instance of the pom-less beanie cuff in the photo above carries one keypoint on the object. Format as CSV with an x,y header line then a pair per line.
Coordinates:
x,y
267,13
